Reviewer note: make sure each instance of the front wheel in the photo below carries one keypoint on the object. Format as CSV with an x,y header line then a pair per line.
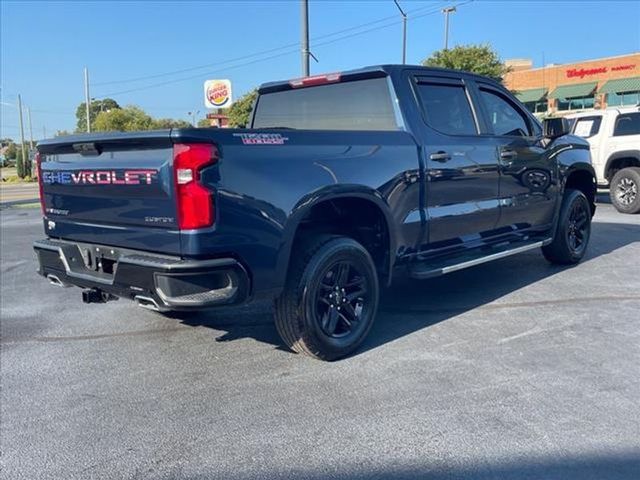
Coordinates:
x,y
624,190
330,298
573,230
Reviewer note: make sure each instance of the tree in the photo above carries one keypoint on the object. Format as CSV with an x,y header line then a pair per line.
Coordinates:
x,y
125,119
23,167
11,151
95,108
240,111
161,123
204,123
480,59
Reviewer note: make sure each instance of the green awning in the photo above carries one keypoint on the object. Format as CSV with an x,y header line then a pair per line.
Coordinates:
x,y
621,85
573,91
533,95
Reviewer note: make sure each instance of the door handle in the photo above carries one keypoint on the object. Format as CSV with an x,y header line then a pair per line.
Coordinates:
x,y
440,156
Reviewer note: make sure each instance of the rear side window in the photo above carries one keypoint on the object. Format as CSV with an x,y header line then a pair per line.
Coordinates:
x,y
586,127
357,105
446,108
627,124
504,117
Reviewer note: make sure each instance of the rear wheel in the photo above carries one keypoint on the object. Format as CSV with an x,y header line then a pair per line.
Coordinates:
x,y
572,232
624,190
330,298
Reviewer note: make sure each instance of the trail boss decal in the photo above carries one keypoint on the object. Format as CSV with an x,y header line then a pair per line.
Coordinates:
x,y
100,177
261,138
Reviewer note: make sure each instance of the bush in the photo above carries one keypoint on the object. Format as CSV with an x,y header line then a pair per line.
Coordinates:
x,y
17,179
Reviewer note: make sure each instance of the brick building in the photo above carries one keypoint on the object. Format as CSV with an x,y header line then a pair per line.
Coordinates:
x,y
560,89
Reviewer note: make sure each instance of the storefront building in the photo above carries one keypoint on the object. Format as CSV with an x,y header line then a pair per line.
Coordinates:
x,y
567,88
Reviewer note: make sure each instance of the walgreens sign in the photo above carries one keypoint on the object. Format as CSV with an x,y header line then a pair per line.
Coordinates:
x,y
587,72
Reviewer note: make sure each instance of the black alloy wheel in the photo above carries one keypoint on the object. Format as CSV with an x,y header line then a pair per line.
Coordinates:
x,y
579,227
330,299
341,298
572,231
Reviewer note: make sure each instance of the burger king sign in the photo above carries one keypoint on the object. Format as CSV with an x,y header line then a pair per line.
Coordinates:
x,y
217,93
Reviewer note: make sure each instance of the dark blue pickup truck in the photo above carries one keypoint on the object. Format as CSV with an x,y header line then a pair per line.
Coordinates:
x,y
341,182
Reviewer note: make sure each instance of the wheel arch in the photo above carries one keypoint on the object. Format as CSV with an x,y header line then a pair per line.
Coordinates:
x,y
581,176
347,198
621,159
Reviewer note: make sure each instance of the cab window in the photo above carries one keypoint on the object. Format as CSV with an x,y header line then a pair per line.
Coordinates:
x,y
586,127
504,118
627,124
446,108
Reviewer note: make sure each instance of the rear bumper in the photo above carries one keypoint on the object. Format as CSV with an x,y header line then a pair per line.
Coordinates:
x,y
159,282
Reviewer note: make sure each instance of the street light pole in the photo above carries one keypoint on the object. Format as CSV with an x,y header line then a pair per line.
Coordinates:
x,y
30,127
304,36
86,98
404,32
193,116
446,12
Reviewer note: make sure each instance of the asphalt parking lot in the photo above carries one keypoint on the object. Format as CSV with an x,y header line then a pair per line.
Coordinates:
x,y
515,369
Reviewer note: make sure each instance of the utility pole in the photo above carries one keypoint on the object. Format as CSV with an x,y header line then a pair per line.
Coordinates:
x,y
30,127
304,37
404,32
86,98
44,132
22,169
446,12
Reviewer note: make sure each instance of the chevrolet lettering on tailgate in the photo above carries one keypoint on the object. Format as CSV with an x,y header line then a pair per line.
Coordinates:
x,y
100,177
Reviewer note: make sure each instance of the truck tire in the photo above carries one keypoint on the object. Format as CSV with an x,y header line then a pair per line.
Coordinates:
x,y
624,190
330,298
572,232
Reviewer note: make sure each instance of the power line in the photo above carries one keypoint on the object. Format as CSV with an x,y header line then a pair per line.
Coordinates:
x,y
256,54
345,37
177,80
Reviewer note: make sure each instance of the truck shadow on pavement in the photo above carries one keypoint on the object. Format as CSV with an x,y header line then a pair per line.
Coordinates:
x,y
602,197
613,466
411,305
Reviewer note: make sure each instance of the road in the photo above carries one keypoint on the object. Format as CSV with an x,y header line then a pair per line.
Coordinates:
x,y
515,369
18,193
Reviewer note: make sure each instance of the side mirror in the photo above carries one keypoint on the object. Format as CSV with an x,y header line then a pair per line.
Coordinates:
x,y
555,127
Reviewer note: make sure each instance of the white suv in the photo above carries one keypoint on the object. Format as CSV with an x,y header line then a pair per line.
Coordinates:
x,y
614,136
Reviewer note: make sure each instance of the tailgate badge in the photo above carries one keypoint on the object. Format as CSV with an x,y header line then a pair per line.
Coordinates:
x,y
262,138
51,224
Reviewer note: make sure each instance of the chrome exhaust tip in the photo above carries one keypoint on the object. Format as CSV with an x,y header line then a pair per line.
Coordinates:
x,y
54,280
147,302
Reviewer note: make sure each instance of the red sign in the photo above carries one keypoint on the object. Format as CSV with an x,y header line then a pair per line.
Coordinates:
x,y
586,72
617,68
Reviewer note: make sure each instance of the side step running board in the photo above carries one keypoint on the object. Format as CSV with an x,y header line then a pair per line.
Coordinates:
x,y
429,269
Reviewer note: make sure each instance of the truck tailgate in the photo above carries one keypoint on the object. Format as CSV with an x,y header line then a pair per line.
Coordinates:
x,y
113,189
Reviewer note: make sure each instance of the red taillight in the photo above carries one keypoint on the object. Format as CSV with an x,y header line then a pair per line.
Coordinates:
x,y
38,160
194,201
315,80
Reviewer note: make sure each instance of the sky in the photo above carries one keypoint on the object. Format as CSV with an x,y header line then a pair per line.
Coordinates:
x,y
147,53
